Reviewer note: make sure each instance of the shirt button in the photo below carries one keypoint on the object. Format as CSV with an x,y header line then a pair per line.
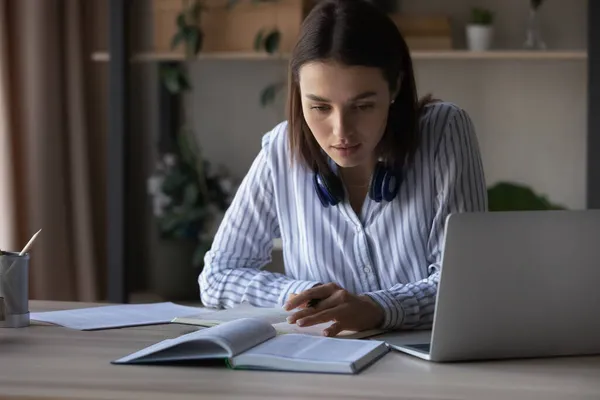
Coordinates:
x,y
367,269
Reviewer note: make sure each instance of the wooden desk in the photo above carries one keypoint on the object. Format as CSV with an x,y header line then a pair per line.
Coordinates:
x,y
54,362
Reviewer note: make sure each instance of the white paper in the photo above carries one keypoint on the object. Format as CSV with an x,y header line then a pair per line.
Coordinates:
x,y
272,315
116,316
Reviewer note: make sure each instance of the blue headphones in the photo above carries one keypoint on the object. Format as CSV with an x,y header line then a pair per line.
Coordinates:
x,y
385,185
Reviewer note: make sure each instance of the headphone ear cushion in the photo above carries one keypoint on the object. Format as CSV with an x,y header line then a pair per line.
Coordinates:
x,y
375,190
326,191
390,186
320,191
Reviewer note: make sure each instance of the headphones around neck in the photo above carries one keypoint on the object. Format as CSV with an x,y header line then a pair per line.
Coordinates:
x,y
384,185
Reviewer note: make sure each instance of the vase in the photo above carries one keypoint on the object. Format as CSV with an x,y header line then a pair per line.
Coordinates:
x,y
479,37
533,36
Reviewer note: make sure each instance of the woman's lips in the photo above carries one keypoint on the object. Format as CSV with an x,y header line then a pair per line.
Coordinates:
x,y
345,149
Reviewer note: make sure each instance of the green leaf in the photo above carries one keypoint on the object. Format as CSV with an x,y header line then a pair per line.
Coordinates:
x,y
181,21
272,41
171,78
169,223
185,147
184,81
232,3
269,93
177,39
176,81
173,182
267,96
506,196
258,40
197,214
191,193
193,39
481,16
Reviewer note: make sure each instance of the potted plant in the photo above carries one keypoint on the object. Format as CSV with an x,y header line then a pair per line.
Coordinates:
x,y
189,198
480,29
508,196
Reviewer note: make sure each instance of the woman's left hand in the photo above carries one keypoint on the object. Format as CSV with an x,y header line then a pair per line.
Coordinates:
x,y
348,311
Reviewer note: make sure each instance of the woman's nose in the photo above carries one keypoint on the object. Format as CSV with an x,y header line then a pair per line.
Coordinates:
x,y
341,126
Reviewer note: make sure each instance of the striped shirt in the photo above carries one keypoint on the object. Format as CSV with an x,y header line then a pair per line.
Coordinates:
x,y
390,252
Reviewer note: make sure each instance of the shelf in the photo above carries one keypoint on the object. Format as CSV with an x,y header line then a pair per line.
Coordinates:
x,y
500,55
166,56
417,55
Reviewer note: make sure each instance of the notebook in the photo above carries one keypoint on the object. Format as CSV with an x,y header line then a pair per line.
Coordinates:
x,y
251,343
273,315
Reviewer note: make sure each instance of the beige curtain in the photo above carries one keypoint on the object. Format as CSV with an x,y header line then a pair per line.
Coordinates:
x,y
53,153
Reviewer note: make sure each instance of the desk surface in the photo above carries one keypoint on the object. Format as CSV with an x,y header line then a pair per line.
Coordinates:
x,y
44,361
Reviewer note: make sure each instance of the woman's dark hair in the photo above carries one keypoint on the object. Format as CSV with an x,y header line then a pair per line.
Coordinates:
x,y
356,33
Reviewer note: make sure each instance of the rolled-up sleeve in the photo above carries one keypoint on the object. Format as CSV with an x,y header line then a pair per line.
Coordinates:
x,y
242,246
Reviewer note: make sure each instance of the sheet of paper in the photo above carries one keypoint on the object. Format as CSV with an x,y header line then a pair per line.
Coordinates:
x,y
116,316
272,315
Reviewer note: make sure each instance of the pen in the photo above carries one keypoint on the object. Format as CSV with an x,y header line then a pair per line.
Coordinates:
x,y
313,302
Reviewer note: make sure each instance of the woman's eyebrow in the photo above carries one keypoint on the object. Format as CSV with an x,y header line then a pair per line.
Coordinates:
x,y
361,96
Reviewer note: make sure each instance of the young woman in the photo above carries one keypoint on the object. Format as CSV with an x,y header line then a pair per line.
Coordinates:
x,y
357,183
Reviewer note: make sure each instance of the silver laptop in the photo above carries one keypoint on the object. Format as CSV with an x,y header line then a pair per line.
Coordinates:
x,y
514,285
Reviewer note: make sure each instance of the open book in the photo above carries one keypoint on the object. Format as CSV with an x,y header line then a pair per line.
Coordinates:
x,y
274,316
250,343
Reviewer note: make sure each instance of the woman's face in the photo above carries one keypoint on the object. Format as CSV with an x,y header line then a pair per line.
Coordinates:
x,y
346,108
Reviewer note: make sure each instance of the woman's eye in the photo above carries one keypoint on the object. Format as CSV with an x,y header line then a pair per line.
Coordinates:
x,y
364,107
320,108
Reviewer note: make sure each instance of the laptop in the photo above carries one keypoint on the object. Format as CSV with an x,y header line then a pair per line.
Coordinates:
x,y
514,284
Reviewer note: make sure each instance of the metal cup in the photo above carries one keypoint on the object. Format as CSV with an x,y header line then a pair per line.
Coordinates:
x,y
14,290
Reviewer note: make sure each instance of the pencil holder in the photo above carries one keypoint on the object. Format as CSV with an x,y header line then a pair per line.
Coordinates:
x,y
14,290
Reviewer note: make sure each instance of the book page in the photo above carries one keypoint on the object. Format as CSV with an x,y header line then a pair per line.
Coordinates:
x,y
313,348
242,334
271,315
225,340
317,330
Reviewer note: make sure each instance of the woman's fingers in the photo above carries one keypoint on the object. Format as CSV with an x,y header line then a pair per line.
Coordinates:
x,y
317,292
292,296
334,329
301,314
330,314
324,304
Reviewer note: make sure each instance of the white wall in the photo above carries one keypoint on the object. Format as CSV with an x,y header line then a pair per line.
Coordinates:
x,y
530,115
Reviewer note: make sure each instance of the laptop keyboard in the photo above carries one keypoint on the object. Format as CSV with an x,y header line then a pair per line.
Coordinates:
x,y
424,347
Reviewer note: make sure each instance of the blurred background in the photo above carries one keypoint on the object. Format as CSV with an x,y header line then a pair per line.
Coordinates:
x,y
125,126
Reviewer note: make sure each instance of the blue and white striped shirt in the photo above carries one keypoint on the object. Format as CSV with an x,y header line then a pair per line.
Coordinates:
x,y
391,252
